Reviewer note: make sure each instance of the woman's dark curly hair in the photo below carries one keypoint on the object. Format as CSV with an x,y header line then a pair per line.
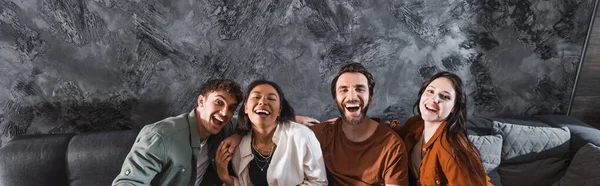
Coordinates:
x,y
287,112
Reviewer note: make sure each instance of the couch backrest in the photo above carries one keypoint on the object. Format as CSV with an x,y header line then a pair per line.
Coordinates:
x,y
65,159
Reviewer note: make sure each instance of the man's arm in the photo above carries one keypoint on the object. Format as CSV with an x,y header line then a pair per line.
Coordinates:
x,y
305,120
396,172
144,160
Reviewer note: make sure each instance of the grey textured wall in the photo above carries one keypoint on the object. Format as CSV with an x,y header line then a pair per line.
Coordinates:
x,y
89,65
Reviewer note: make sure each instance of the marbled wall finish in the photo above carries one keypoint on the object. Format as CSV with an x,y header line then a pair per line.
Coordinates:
x,y
89,65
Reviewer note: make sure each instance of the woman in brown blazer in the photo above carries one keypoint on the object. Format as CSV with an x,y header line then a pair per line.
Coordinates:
x,y
439,151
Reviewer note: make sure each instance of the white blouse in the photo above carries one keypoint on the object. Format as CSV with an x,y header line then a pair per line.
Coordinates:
x,y
297,160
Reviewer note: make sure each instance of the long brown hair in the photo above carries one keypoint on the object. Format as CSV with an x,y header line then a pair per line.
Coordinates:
x,y
461,148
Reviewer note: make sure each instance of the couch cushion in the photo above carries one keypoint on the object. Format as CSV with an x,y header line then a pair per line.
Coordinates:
x,y
581,133
490,148
522,144
532,154
34,160
584,170
539,172
96,158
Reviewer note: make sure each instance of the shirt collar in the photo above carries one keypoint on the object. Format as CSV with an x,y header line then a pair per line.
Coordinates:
x,y
417,132
246,143
436,135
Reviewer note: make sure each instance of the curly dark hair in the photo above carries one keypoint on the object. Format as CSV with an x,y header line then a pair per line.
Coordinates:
x,y
287,111
226,85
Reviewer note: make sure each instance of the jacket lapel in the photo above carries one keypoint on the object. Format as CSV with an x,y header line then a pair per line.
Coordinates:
x,y
415,131
194,138
245,153
436,135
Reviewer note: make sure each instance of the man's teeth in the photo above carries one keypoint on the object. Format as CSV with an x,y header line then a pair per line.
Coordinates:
x,y
218,118
262,112
352,105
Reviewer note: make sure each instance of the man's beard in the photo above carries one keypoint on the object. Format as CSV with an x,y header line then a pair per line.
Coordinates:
x,y
361,118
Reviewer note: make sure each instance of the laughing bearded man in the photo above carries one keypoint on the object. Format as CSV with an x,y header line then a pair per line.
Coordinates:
x,y
359,150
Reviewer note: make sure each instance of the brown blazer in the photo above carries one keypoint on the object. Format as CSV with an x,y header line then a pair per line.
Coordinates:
x,y
437,166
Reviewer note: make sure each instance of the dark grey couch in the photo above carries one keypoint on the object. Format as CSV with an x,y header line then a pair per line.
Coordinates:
x,y
531,151
95,158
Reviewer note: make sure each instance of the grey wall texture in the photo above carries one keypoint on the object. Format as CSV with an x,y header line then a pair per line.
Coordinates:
x,y
91,65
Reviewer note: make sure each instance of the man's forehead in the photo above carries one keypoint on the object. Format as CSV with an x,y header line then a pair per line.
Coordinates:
x,y
352,79
340,85
223,95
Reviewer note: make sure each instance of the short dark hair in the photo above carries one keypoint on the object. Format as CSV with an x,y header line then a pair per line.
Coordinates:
x,y
354,68
226,85
287,111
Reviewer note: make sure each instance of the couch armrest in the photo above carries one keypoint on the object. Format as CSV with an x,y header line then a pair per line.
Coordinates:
x,y
581,133
35,160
